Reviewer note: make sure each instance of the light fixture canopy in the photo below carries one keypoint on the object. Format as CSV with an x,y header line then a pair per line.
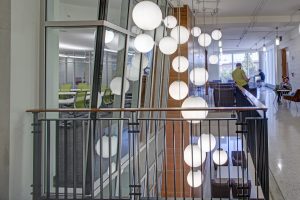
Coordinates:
x,y
194,102
147,15
220,157
180,34
192,155
207,142
180,64
170,21
213,59
168,45
199,76
116,85
143,43
216,34
194,178
105,146
204,40
196,31
178,90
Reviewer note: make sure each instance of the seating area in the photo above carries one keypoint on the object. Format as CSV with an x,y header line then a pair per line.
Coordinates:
x,y
294,97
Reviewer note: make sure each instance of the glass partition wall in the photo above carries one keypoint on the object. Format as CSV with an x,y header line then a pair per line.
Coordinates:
x,y
91,62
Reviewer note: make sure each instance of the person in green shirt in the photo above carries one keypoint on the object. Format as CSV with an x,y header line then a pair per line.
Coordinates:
x,y
239,76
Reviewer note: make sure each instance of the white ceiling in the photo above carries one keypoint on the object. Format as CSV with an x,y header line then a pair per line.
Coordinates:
x,y
245,23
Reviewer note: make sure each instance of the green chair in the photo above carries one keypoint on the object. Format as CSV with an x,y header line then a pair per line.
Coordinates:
x,y
65,87
83,86
80,99
108,97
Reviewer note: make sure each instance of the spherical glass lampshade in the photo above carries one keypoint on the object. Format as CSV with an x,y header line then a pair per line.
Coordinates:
x,y
178,90
277,41
143,43
147,15
194,178
216,34
194,102
199,76
192,155
213,59
196,31
116,85
135,62
133,73
220,157
180,64
117,43
105,146
264,48
170,21
168,45
204,40
207,142
180,34
109,36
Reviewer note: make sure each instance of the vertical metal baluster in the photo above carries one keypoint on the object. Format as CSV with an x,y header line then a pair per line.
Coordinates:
x,y
83,164
47,158
210,157
165,160
155,144
133,149
200,131
191,141
119,159
92,167
147,163
256,157
246,152
129,160
57,160
74,160
228,150
237,149
65,160
137,136
100,159
219,136
182,160
109,159
241,157
174,159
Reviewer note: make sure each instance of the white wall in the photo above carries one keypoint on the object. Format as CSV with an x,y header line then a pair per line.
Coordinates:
x,y
25,27
292,42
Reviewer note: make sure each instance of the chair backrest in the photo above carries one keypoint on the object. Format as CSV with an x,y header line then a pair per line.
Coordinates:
x,y
65,87
80,99
297,95
83,86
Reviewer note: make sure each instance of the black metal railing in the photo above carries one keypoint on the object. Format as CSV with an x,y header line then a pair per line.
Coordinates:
x,y
119,154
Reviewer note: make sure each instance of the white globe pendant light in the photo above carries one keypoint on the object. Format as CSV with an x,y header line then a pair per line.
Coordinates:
x,y
207,142
194,178
204,40
194,102
135,62
170,21
220,157
105,146
147,15
109,36
116,85
192,155
196,31
216,34
180,34
199,76
143,43
167,45
133,73
178,90
180,64
213,59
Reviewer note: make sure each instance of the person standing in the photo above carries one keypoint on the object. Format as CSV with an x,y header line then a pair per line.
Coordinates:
x,y
239,76
262,77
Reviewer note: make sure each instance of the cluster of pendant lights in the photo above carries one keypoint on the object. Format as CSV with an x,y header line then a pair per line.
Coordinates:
x,y
195,155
